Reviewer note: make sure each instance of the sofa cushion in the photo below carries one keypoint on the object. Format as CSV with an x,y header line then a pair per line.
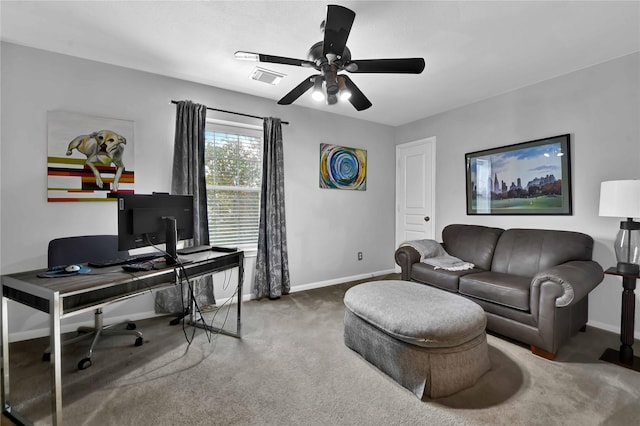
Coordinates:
x,y
526,252
441,278
503,289
471,243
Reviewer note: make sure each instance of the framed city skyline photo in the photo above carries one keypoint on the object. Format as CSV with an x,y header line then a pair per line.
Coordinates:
x,y
529,178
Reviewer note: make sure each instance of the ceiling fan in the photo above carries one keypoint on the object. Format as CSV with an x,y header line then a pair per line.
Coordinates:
x,y
331,56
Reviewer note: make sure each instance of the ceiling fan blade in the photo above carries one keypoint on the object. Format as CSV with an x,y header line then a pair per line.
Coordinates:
x,y
259,57
336,29
399,66
357,99
298,91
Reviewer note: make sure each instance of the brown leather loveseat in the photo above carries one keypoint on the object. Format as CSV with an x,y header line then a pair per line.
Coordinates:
x,y
533,284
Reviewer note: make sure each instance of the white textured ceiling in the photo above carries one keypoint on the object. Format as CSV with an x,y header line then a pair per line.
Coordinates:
x,y
473,49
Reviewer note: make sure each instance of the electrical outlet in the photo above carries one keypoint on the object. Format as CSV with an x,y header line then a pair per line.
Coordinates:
x,y
359,255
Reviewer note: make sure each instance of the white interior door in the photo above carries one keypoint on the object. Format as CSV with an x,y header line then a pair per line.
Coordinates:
x,y
415,186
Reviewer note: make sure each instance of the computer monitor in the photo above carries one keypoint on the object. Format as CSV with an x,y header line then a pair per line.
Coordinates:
x,y
150,219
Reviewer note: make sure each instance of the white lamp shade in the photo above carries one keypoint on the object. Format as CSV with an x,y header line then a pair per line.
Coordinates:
x,y
620,198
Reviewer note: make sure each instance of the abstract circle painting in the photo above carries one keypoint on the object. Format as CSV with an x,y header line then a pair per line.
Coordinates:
x,y
342,167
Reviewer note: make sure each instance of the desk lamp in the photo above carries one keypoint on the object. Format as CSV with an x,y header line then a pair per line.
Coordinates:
x,y
621,198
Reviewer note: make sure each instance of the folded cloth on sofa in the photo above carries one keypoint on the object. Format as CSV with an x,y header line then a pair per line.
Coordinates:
x,y
432,253
448,262
426,248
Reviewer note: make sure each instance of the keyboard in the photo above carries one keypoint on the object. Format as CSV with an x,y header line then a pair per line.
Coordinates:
x,y
138,266
194,249
200,249
136,258
224,249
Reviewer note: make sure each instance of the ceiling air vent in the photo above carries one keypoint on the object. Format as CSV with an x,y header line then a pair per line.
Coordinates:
x,y
266,76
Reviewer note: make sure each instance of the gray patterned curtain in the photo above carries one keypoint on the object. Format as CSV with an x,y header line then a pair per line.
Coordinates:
x,y
272,264
189,179
188,164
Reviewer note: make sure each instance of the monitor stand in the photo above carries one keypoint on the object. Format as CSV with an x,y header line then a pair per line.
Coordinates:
x,y
171,240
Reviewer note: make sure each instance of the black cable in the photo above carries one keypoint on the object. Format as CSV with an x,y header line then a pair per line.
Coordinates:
x,y
226,282
229,300
183,277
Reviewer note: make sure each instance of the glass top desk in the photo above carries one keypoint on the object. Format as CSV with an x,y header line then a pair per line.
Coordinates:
x,y
68,296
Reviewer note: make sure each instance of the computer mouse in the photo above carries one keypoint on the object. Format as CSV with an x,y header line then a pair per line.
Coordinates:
x,y
72,268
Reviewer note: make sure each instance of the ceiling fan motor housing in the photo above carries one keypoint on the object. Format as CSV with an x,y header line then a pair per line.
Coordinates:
x,y
329,65
316,55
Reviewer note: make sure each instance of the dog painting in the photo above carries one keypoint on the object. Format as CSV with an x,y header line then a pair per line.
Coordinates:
x,y
103,147
88,157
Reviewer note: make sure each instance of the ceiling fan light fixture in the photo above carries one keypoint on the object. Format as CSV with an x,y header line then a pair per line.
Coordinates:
x,y
317,94
345,93
247,56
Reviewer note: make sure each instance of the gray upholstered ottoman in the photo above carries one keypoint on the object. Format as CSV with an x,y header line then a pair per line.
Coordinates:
x,y
430,341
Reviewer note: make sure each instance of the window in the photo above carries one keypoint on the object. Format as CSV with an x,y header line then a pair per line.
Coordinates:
x,y
233,167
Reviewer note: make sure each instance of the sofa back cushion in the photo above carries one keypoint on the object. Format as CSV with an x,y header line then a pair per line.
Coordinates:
x,y
526,252
471,243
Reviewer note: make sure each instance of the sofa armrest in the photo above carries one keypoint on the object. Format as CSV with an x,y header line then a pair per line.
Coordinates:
x,y
405,257
577,279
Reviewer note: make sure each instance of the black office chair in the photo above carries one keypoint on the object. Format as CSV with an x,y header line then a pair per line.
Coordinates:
x,y
90,248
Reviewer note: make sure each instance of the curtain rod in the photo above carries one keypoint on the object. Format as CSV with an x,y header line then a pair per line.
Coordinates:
x,y
236,113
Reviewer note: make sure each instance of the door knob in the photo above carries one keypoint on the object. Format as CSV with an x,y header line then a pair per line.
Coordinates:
x,y
427,218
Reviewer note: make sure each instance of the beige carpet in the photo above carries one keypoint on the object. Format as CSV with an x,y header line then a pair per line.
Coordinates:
x,y
291,368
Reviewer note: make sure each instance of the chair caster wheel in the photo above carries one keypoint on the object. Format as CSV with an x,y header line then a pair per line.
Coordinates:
x,y
46,356
139,341
84,363
131,326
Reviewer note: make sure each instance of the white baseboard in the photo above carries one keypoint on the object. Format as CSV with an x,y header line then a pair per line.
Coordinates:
x,y
341,280
320,284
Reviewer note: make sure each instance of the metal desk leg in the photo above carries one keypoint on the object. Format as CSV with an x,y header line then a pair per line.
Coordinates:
x,y
6,404
193,320
55,309
240,281
7,409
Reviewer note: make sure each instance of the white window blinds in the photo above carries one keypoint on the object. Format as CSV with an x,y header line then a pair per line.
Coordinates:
x,y
233,164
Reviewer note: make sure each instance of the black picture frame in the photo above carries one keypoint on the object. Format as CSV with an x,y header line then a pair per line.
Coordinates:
x,y
528,178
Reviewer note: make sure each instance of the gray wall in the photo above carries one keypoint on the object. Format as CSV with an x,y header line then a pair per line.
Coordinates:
x,y
598,106
326,228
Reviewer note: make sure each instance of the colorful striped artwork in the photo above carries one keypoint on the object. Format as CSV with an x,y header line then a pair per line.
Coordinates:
x,y
88,157
342,167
